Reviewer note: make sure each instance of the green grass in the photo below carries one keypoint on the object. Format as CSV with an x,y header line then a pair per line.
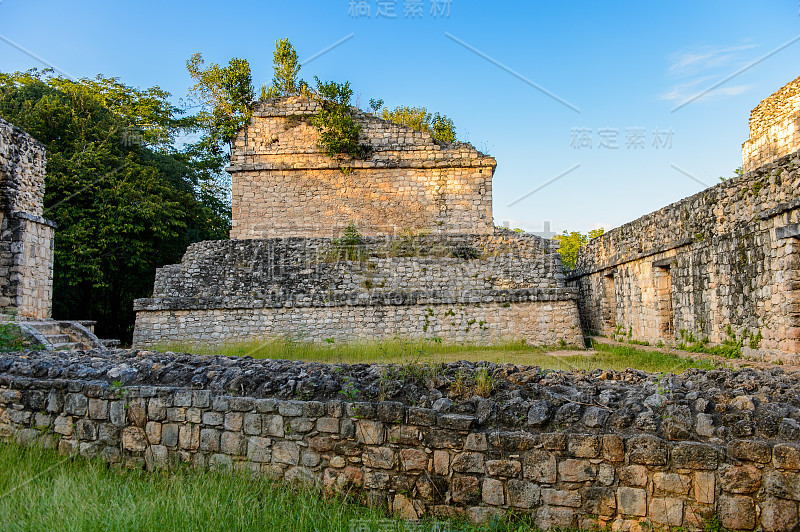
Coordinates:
x,y
42,490
433,352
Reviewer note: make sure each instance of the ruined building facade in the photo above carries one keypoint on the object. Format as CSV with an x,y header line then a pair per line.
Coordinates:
x,y
429,263
722,265
26,238
774,128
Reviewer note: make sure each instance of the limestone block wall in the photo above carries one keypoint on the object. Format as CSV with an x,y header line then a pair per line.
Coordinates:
x,y
418,461
722,262
459,288
774,128
283,185
26,239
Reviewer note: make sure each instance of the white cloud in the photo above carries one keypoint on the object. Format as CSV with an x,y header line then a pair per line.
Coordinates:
x,y
693,71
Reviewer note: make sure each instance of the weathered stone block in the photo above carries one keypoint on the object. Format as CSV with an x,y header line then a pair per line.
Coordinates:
x,y
328,424
379,457
468,462
259,449
232,443
169,434
613,448
98,409
441,462
754,451
540,466
671,483
666,511
492,492
376,480
76,404
556,497
414,459
369,432
391,412
134,439
209,440
285,452
778,515
523,494
737,512
465,490
456,422
632,501
739,479
213,419
704,487
694,456
548,517
425,417
252,424
272,425
476,441
234,421
647,450
786,456
290,408
153,432
504,468
585,446
443,439
783,485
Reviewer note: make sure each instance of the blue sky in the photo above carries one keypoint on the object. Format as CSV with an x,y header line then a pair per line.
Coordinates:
x,y
510,74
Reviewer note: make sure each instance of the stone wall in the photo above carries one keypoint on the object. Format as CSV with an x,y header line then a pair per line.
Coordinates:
x,y
595,470
458,288
774,128
284,185
26,239
722,263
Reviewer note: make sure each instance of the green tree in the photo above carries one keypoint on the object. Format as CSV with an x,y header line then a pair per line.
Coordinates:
x,y
339,134
225,96
571,242
439,126
126,200
286,68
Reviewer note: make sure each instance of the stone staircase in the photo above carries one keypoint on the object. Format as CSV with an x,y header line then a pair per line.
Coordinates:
x,y
59,335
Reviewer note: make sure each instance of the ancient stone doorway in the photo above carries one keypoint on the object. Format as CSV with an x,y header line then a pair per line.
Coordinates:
x,y
664,300
609,301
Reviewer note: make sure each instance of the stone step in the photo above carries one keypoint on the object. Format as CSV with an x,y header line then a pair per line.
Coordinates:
x,y
67,346
58,338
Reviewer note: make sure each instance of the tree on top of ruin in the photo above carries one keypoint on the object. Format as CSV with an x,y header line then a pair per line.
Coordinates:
x,y
286,68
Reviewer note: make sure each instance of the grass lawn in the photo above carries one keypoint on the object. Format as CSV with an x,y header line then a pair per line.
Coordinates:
x,y
603,356
42,490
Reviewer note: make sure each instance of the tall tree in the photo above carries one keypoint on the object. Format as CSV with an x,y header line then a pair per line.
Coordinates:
x,y
225,96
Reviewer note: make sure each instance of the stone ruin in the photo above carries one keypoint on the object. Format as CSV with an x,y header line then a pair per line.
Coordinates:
x,y
430,263
26,248
774,128
722,265
26,239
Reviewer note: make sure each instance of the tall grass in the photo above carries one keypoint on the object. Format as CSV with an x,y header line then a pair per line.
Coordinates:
x,y
602,356
42,490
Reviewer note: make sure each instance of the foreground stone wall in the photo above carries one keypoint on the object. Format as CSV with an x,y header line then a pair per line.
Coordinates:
x,y
26,239
457,288
774,128
720,264
283,185
596,470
